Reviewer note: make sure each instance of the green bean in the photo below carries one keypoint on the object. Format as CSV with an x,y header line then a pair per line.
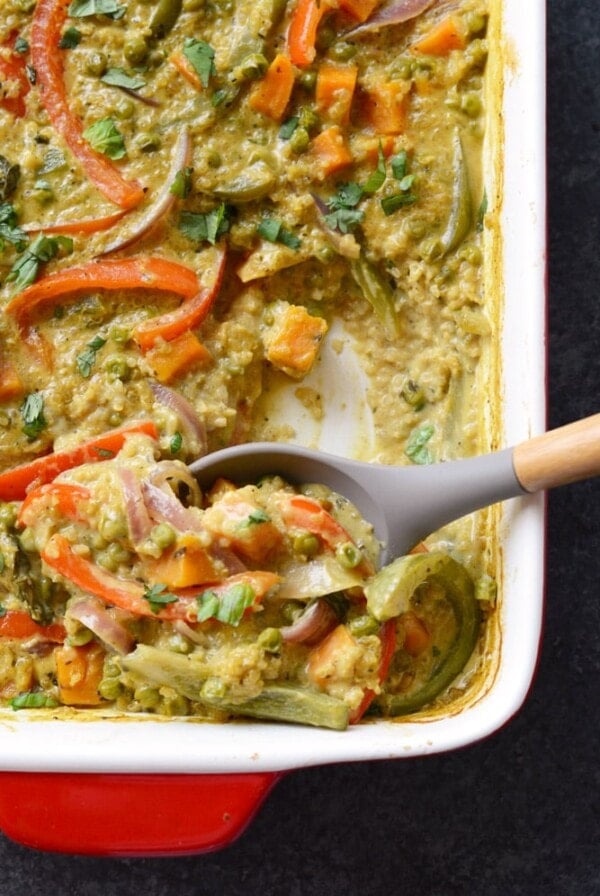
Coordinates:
x,y
283,703
378,292
460,218
164,17
254,183
390,593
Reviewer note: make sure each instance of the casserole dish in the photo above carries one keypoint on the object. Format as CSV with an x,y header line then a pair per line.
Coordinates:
x,y
213,777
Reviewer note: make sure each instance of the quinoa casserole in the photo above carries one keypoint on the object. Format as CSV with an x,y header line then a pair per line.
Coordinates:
x,y
198,198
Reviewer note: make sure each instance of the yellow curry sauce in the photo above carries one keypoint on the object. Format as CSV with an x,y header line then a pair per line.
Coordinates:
x,y
194,197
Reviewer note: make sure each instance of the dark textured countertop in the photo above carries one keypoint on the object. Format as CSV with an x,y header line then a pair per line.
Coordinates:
x,y
520,812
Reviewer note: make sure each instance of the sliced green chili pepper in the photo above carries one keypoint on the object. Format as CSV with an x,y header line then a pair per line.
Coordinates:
x,y
378,292
282,703
461,212
392,591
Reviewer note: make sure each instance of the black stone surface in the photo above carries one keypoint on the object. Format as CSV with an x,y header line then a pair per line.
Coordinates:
x,y
520,812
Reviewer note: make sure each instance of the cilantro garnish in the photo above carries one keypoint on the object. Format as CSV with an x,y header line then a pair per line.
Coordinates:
x,y
87,359
182,184
416,446
288,127
32,415
377,179
274,232
227,607
9,232
253,519
81,8
206,227
176,443
392,203
118,77
21,45
202,57
104,136
70,39
158,597
33,700
25,269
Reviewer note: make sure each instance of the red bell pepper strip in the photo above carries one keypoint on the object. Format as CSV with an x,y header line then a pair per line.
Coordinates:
x,y
67,497
302,512
46,28
16,482
190,314
20,626
387,636
13,69
302,33
128,594
141,272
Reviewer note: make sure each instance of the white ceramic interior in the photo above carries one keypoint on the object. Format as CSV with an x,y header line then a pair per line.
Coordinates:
x,y
29,743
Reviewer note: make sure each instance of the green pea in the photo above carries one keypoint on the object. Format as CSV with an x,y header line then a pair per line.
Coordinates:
x,y
80,637
417,227
112,557
27,540
252,67
124,109
163,535
147,696
306,544
476,22
120,335
403,68
148,141
214,160
308,118
325,36
8,515
348,555
413,395
175,705
299,141
213,689
363,625
109,688
270,640
342,51
113,526
471,104
96,64
135,49
117,367
308,79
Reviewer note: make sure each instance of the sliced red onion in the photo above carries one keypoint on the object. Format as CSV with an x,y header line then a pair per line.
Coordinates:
x,y
182,152
311,627
138,518
163,506
101,621
168,473
193,429
394,13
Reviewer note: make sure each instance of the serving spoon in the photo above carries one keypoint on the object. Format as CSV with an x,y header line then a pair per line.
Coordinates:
x,y
405,504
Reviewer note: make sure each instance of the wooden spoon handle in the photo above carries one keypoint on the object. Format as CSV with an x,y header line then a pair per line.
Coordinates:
x,y
560,456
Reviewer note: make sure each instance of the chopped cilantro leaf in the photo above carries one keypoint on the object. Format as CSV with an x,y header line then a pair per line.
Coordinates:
x,y
274,232
118,77
158,597
391,204
33,700
206,227
400,164
176,443
21,45
202,57
25,269
87,359
104,136
9,232
228,607
81,8
32,415
377,179
182,184
70,39
416,446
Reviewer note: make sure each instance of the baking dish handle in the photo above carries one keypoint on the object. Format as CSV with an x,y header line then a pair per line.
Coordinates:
x,y
129,814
